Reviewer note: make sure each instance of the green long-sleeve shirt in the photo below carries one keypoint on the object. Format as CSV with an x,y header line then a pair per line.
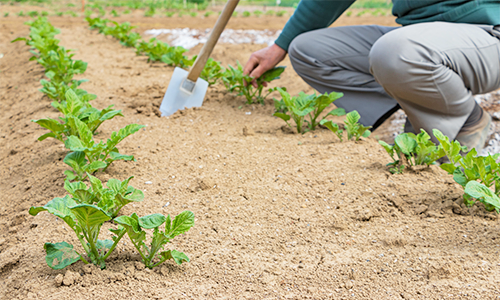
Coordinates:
x,y
316,14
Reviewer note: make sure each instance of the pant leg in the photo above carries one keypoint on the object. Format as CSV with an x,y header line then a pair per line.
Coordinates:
x,y
433,70
336,59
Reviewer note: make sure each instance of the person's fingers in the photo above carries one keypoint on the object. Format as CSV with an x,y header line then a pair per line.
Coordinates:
x,y
264,83
258,71
250,65
254,83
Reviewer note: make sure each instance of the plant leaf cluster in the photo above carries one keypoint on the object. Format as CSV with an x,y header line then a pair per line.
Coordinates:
x,y
412,150
305,110
471,167
135,225
237,82
160,51
87,208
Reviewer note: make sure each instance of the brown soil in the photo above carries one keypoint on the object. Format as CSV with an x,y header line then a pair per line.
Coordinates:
x,y
278,215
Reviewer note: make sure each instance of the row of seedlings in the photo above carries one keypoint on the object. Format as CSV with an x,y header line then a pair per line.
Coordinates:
x,y
89,202
235,81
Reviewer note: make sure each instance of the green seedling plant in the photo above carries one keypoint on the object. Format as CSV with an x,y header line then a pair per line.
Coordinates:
x,y
470,167
304,106
159,51
482,193
412,150
86,221
97,23
134,226
122,32
237,82
212,72
97,156
354,128
280,13
334,127
75,107
111,198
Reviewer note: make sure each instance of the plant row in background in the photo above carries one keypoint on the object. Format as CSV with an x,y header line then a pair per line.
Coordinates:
x,y
86,208
158,51
305,110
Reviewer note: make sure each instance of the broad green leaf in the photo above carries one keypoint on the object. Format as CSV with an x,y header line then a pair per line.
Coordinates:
x,y
96,165
450,168
84,133
60,255
181,223
104,245
131,222
51,124
117,156
366,133
152,221
177,256
96,183
59,207
482,193
387,147
70,175
405,143
272,74
283,116
459,177
89,215
337,112
76,160
47,135
117,137
352,117
74,144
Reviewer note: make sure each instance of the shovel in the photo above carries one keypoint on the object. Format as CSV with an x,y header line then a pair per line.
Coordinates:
x,y
186,89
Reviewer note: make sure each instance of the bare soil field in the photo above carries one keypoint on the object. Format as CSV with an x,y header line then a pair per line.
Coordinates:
x,y
278,215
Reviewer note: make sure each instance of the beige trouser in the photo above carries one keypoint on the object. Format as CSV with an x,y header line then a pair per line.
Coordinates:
x,y
430,70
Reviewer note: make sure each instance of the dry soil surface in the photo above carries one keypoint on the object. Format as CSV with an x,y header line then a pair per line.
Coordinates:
x,y
278,215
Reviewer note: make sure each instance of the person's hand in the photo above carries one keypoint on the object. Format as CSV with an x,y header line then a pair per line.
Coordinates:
x,y
262,61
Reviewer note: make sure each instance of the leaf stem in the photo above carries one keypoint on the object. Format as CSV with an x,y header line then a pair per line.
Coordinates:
x,y
118,238
82,259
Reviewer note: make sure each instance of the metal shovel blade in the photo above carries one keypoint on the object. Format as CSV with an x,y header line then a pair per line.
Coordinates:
x,y
177,97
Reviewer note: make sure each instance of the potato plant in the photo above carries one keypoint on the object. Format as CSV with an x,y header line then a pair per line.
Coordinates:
x,y
159,51
212,72
304,109
237,82
412,150
75,107
470,167
86,221
90,156
135,225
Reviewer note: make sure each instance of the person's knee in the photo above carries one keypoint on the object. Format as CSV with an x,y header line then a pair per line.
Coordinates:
x,y
396,58
297,50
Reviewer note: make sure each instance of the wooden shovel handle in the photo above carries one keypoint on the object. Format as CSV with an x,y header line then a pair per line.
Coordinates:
x,y
205,52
